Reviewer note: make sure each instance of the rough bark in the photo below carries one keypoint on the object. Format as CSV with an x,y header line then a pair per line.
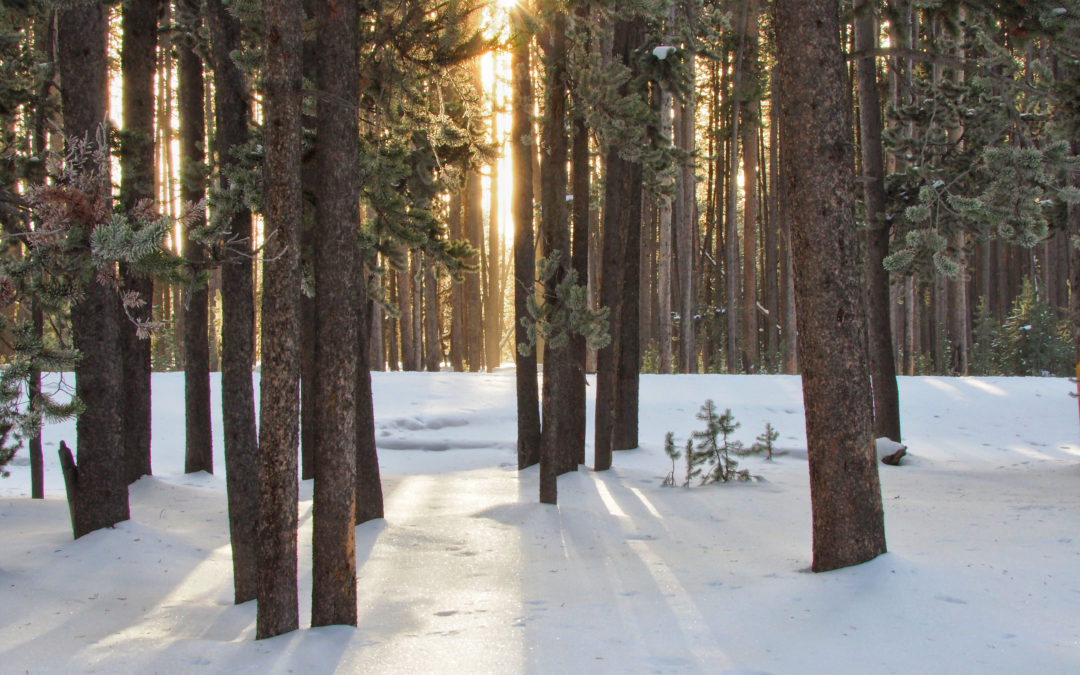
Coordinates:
x,y
198,453
336,324
458,346
882,364
554,230
97,493
848,526
138,62
619,283
405,316
522,152
232,112
369,496
278,606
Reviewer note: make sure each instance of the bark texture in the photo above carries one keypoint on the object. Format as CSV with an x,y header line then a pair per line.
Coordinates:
x,y
522,151
97,491
137,62
198,453
232,112
278,607
336,323
617,364
848,526
882,363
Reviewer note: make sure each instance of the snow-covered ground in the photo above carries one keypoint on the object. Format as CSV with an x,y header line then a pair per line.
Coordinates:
x,y
469,574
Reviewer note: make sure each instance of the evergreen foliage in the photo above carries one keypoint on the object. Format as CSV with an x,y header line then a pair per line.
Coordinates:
x,y
70,238
571,315
709,451
764,443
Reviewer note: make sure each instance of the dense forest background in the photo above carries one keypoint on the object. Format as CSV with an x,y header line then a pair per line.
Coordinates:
x,y
976,148
325,189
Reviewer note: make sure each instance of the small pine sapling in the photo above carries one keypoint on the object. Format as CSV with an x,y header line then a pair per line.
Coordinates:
x,y
673,454
693,463
765,442
715,446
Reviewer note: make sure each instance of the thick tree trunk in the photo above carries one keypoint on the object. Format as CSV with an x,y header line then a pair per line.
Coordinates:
x,y
883,367
97,491
522,152
848,525
199,451
232,112
138,63
278,607
337,273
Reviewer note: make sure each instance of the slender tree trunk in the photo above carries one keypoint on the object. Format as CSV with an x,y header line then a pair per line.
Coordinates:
x,y
493,297
749,131
369,496
686,219
458,339
405,316
336,326
278,610
432,341
580,264
199,450
232,106
772,248
558,366
474,232
883,368
138,62
96,485
522,151
618,282
666,242
848,525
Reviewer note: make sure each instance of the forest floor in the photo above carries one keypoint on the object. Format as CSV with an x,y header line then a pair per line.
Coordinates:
x,y
469,574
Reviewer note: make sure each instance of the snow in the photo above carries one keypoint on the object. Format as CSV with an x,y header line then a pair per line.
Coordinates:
x,y
468,573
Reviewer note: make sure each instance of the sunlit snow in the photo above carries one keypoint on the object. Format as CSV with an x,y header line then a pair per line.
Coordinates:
x,y
469,574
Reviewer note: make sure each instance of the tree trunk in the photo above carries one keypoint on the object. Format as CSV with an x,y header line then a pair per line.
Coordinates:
x,y
458,339
618,281
278,607
883,367
232,112
432,341
493,298
405,316
522,151
138,63
336,324
97,489
848,525
580,187
558,366
664,260
199,450
749,131
686,221
369,496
